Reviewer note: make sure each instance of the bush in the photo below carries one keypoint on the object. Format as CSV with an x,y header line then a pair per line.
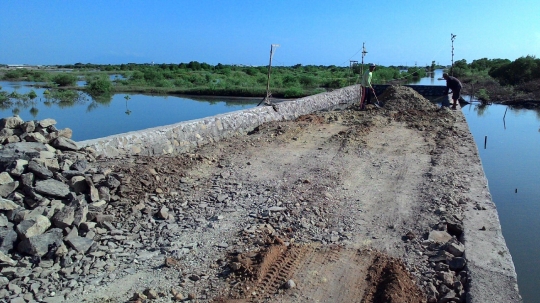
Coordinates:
x,y
65,79
293,92
482,95
32,95
100,86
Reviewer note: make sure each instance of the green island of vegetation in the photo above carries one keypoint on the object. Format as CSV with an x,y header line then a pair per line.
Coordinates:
x,y
493,80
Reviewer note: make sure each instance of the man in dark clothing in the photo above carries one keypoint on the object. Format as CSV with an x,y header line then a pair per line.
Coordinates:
x,y
452,83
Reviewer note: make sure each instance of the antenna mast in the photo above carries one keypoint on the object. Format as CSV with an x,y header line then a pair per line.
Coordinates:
x,y
452,37
364,52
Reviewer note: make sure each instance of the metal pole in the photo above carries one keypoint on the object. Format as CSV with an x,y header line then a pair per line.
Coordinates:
x,y
364,52
452,37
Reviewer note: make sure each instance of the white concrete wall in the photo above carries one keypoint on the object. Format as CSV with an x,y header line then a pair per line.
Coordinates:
x,y
183,136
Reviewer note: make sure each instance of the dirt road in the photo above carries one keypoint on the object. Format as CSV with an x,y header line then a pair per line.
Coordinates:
x,y
345,206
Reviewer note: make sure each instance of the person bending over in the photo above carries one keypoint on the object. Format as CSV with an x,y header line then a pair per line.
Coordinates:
x,y
452,83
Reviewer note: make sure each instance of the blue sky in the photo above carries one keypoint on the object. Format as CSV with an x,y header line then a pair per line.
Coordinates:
x,y
396,32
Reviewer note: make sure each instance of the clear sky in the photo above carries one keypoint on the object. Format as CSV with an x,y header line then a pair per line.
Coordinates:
x,y
320,32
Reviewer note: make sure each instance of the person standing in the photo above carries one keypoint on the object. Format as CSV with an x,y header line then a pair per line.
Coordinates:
x,y
452,83
367,89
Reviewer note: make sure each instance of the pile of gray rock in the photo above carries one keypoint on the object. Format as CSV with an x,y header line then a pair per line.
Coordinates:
x,y
446,258
51,205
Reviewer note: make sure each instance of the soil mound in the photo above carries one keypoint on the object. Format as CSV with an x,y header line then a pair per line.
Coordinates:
x,y
398,97
391,282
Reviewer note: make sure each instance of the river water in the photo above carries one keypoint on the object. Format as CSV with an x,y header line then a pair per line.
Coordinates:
x,y
511,161
511,158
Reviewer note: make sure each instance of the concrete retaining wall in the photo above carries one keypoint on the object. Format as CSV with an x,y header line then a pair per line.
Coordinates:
x,y
184,136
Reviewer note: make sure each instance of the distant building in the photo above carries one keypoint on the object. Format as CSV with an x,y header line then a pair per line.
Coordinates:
x,y
23,66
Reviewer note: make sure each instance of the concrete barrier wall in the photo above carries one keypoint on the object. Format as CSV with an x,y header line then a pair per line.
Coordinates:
x,y
184,136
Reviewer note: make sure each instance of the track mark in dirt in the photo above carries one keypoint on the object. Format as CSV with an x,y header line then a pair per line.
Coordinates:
x,y
321,274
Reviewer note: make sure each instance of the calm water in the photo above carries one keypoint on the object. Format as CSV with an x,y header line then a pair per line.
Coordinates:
x,y
511,161
90,119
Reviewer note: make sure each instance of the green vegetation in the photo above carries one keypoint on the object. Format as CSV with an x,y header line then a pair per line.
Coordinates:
x,y
64,79
501,79
195,78
99,85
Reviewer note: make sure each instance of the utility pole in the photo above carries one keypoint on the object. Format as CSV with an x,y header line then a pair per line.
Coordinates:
x,y
266,99
364,52
452,37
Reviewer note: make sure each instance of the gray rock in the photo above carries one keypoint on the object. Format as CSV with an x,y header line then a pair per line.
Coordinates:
x,y
8,204
112,182
79,184
64,217
80,244
4,259
8,188
50,164
457,263
35,137
5,178
39,245
39,170
439,236
28,179
33,227
104,193
449,297
277,208
456,249
28,126
68,174
12,139
87,226
222,197
80,214
46,122
66,133
3,282
290,284
74,232
8,237
104,218
17,167
63,143
20,150
53,188
80,165
163,213
3,221
11,122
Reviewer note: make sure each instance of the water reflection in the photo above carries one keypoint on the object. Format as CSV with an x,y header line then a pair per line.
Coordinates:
x,y
91,118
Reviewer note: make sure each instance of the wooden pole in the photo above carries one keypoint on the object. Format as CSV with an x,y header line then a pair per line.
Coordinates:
x,y
268,94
